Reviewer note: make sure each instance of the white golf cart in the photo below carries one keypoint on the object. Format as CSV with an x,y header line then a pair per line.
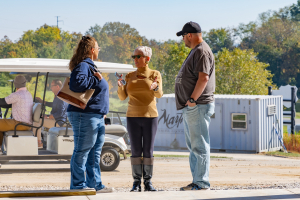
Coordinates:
x,y
22,145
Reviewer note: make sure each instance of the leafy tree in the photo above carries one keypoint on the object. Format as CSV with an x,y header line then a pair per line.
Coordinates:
x,y
117,41
295,11
160,53
44,35
119,29
218,39
240,72
4,79
177,53
244,31
276,40
45,42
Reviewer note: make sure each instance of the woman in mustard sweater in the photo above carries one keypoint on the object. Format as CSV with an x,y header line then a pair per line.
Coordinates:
x,y
142,87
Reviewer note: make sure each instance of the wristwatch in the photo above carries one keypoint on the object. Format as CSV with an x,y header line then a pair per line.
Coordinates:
x,y
192,100
155,89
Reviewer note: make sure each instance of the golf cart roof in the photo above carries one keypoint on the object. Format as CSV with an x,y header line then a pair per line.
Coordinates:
x,y
55,65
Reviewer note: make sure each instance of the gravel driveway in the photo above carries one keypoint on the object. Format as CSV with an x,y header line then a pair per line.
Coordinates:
x,y
236,171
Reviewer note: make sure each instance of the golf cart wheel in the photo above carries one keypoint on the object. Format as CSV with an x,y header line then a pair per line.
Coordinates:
x,y
109,159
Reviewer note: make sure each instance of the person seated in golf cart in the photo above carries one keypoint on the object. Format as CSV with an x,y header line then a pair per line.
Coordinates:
x,y
58,112
21,103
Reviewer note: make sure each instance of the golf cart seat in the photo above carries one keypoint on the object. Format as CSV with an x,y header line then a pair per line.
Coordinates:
x,y
23,142
19,133
61,131
115,129
60,140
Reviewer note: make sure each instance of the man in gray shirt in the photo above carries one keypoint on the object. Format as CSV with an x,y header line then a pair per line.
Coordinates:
x,y
194,93
58,112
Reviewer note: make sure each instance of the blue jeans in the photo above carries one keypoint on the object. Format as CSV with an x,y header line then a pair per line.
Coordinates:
x,y
196,128
89,136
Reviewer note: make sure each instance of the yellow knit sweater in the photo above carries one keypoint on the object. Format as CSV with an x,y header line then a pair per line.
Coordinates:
x,y
142,100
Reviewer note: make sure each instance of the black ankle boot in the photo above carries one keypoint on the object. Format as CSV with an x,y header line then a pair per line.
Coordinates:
x,y
147,174
136,187
149,187
136,166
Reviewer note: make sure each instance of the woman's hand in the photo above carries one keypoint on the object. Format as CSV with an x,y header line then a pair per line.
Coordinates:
x,y
119,81
98,75
154,84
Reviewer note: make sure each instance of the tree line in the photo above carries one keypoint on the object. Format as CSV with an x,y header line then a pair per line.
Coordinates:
x,y
249,57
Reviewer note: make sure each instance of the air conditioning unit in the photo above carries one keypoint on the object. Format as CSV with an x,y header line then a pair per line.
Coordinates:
x,y
271,109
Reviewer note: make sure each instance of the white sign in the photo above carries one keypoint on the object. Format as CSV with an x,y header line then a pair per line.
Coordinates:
x,y
170,131
285,91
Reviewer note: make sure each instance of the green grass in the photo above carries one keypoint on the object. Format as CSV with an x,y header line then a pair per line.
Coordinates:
x,y
220,157
279,153
5,91
284,129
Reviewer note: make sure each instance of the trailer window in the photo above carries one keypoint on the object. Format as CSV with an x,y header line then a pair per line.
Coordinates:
x,y
239,121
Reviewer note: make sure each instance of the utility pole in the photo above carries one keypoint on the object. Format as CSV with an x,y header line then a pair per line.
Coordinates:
x,y
58,20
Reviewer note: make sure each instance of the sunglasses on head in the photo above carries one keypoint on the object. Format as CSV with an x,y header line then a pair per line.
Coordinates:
x,y
136,56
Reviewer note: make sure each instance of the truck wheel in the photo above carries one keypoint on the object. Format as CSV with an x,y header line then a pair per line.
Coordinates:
x,y
109,159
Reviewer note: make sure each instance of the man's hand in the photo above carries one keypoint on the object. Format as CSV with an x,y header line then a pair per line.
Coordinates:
x,y
188,103
49,117
38,99
98,75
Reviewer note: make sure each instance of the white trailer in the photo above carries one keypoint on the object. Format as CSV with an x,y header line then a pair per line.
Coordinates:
x,y
240,123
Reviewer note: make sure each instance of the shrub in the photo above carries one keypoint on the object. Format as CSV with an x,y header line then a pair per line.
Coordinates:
x,y
292,142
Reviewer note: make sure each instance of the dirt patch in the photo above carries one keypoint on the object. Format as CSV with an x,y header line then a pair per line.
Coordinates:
x,y
168,173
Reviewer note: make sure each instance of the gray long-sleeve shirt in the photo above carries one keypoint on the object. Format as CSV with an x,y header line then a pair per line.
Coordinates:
x,y
59,110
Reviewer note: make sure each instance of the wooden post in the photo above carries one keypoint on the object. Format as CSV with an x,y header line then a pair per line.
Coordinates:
x,y
270,90
293,111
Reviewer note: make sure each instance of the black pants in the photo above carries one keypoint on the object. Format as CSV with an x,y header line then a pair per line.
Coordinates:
x,y
142,131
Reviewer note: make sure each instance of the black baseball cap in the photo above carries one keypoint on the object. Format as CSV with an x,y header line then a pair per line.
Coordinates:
x,y
190,27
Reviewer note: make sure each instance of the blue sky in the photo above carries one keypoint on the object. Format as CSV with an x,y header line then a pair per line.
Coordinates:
x,y
155,19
